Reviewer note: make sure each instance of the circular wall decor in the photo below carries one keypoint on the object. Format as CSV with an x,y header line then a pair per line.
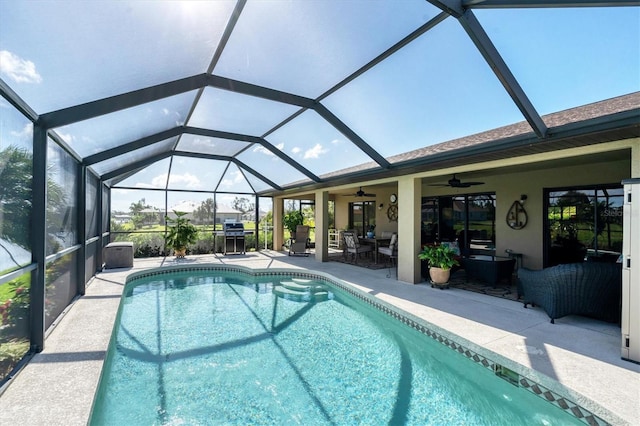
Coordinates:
x,y
393,198
392,213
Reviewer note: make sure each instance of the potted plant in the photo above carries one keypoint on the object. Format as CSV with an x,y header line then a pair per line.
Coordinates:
x,y
440,258
181,233
291,221
371,231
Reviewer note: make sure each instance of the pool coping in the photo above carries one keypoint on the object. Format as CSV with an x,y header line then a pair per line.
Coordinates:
x,y
539,384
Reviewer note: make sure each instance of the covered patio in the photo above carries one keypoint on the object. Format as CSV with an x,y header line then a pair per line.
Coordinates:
x,y
506,128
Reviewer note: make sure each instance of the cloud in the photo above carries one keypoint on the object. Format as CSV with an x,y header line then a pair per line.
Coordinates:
x,y
232,180
261,149
187,179
67,137
26,132
238,176
296,150
315,152
145,185
200,142
18,69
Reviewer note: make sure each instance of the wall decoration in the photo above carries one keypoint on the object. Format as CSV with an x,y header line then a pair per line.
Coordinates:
x,y
517,216
392,213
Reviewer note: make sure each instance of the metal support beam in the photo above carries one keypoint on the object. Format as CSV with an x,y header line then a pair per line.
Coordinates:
x,y
132,146
387,53
222,135
254,139
99,219
82,230
64,145
512,4
38,237
352,136
222,44
483,43
137,165
104,106
452,7
231,160
17,102
259,91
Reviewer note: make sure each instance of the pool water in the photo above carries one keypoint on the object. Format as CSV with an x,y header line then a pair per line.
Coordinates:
x,y
211,348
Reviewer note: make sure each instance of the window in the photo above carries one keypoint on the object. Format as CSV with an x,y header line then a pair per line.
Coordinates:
x,y
362,215
467,219
583,224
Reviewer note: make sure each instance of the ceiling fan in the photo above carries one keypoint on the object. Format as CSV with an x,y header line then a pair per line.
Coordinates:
x,y
360,193
454,182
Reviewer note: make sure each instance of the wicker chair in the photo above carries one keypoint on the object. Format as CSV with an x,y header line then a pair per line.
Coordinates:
x,y
589,289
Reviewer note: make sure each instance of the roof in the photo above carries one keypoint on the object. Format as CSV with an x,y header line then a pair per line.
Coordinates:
x,y
189,206
245,97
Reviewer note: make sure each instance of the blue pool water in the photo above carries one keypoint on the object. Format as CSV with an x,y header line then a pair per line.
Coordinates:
x,y
212,348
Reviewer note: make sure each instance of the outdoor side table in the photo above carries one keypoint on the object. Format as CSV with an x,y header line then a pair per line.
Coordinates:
x,y
490,269
118,255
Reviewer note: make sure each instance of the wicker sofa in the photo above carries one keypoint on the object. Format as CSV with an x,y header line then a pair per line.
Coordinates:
x,y
588,289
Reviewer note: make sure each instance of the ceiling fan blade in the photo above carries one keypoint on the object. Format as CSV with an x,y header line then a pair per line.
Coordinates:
x,y
359,193
454,182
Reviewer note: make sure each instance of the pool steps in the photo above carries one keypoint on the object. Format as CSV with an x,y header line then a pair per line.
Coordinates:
x,y
301,292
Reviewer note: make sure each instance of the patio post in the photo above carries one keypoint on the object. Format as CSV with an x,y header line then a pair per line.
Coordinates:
x,y
322,223
278,214
409,202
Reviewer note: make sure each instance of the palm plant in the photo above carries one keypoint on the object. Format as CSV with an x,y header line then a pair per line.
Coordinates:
x,y
181,233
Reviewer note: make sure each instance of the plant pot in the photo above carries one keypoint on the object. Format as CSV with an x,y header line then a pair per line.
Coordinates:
x,y
180,253
439,276
370,234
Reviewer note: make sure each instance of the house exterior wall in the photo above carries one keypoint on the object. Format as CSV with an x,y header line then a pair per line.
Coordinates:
x,y
509,186
509,179
529,240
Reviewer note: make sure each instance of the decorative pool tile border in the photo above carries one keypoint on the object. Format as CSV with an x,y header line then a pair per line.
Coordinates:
x,y
499,370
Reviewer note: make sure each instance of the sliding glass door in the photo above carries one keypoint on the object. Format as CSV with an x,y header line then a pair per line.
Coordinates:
x,y
467,219
583,224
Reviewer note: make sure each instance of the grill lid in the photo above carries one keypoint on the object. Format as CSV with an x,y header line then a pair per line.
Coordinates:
x,y
233,228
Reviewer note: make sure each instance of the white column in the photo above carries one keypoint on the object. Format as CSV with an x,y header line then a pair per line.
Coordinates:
x,y
278,228
409,205
322,223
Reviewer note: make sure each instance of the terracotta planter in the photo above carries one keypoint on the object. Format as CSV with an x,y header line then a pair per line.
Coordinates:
x,y
180,253
439,276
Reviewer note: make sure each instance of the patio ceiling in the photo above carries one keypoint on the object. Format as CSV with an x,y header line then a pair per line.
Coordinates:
x,y
270,97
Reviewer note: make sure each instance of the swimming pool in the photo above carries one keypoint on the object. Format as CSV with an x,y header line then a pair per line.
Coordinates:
x,y
217,345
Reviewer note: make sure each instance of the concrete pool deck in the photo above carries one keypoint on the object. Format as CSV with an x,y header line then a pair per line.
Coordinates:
x,y
583,355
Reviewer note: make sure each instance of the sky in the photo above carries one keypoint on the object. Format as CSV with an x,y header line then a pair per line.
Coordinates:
x,y
437,88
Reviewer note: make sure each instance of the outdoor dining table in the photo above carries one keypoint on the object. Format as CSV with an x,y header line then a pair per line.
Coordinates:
x,y
376,242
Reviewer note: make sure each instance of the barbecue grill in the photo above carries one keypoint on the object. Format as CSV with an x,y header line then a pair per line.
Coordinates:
x,y
233,237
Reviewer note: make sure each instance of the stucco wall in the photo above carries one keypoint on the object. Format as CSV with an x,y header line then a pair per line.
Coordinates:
x,y
508,188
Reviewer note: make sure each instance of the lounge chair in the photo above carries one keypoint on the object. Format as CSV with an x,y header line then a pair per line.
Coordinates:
x,y
299,245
